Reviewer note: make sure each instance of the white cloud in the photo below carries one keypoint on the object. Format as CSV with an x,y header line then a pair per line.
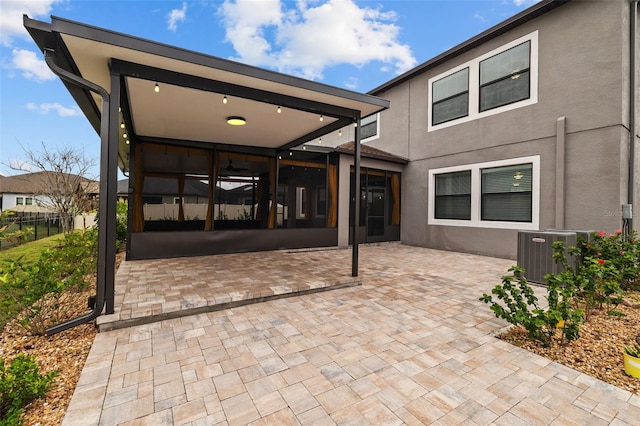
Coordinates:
x,y
62,111
11,12
177,15
31,67
352,83
306,37
525,2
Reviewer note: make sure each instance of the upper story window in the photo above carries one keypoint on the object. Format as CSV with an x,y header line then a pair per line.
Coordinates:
x,y
500,80
369,127
451,97
28,201
19,201
504,78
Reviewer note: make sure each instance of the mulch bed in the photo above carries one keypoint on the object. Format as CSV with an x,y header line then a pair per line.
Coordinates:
x,y
598,351
65,352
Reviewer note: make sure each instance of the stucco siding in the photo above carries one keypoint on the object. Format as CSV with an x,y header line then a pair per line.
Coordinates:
x,y
582,66
596,179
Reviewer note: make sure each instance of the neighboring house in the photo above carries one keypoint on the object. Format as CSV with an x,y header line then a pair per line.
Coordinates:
x,y
27,192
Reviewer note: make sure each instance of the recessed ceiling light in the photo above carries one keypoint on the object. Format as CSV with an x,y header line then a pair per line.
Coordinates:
x,y
236,121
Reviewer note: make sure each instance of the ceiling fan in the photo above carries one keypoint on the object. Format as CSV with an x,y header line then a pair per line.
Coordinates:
x,y
231,168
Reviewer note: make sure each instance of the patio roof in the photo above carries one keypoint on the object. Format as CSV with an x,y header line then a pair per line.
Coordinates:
x,y
189,108
163,94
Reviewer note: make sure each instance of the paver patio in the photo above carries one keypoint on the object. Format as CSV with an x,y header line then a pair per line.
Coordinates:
x,y
411,345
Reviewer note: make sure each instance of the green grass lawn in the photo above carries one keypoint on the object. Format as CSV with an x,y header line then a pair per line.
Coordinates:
x,y
30,250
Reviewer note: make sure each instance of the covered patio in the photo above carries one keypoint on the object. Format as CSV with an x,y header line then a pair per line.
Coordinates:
x,y
250,135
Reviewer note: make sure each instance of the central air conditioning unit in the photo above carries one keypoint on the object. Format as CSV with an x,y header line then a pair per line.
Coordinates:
x,y
535,252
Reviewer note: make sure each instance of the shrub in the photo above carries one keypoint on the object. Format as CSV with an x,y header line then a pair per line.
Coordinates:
x,y
122,210
594,282
8,233
619,251
34,292
519,306
20,384
607,265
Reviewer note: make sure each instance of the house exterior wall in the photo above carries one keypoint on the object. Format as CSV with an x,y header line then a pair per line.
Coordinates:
x,y
9,201
582,65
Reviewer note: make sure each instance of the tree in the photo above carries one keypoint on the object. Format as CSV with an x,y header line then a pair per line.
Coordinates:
x,y
61,181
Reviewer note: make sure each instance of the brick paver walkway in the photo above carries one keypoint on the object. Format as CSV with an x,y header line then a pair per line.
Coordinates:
x,y
411,345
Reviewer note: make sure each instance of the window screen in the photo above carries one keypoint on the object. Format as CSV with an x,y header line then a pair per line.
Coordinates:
x,y
453,195
505,78
506,193
451,97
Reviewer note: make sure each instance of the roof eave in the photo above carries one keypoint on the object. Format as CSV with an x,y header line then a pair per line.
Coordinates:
x,y
45,38
64,26
389,159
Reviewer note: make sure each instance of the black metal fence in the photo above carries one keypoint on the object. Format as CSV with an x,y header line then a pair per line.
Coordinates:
x,y
33,226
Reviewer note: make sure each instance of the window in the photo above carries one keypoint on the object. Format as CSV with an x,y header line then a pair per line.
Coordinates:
x,y
504,78
19,201
369,127
497,194
451,97
500,80
28,201
506,193
453,195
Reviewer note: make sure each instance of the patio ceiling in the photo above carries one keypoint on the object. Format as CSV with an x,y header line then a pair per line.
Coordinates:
x,y
189,108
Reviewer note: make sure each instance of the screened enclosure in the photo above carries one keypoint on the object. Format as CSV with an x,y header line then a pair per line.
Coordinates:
x,y
172,190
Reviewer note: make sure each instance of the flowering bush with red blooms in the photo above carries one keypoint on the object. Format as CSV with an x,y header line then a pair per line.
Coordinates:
x,y
594,276
620,252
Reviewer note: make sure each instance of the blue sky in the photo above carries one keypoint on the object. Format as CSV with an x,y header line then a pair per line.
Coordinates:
x,y
352,44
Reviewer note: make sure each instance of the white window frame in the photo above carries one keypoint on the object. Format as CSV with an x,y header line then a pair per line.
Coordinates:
x,y
474,85
476,195
368,120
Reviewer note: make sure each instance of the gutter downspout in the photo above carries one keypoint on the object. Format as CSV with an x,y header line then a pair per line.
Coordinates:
x,y
633,33
104,140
